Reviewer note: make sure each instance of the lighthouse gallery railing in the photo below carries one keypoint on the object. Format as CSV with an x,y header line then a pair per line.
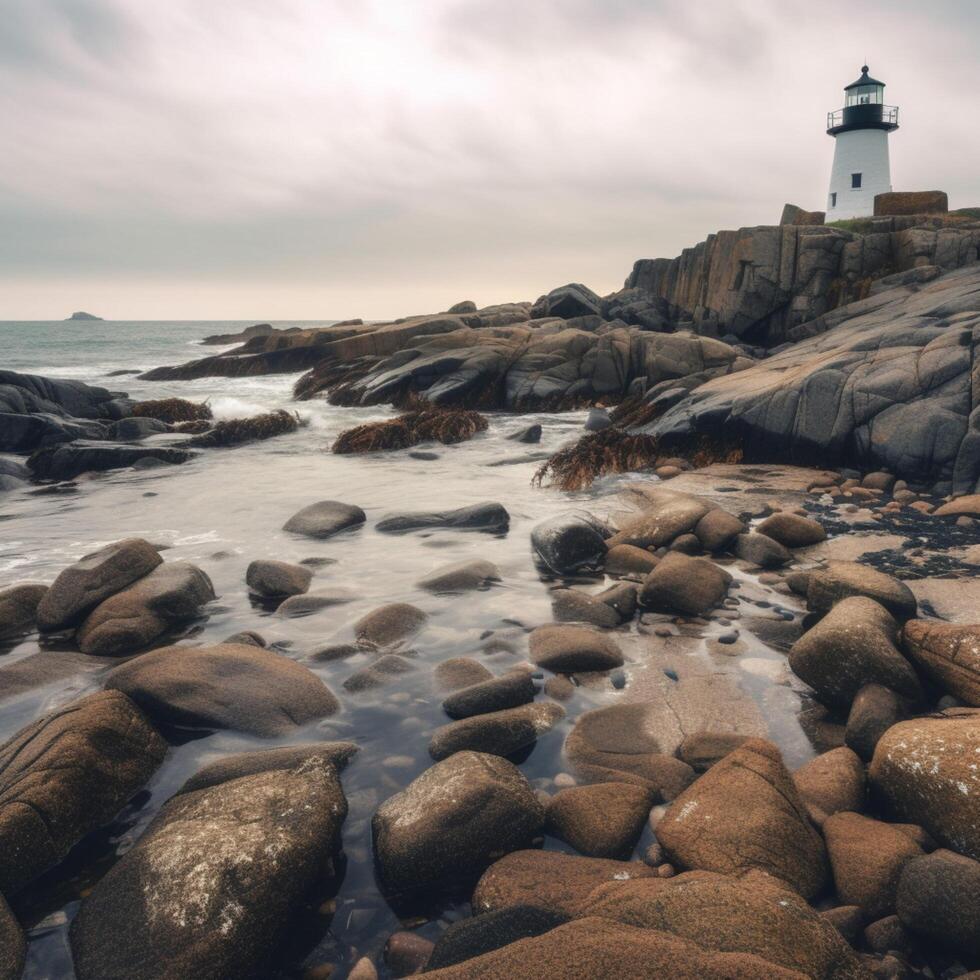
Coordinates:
x,y
889,114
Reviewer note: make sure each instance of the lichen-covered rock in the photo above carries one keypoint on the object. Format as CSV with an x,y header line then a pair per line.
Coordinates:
x,y
210,889
745,812
949,653
67,774
926,771
454,820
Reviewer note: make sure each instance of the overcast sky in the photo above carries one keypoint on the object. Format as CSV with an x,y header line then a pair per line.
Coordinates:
x,y
278,159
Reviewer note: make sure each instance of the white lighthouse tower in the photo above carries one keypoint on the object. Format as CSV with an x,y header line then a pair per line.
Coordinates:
x,y
860,132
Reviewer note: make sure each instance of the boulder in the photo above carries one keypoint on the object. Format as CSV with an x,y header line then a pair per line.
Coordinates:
x,y
568,649
598,419
760,549
718,529
169,597
832,782
627,559
681,584
911,202
378,674
325,518
568,302
558,883
603,820
853,645
68,462
337,754
67,774
495,694
237,686
668,515
968,505
867,857
925,771
745,812
82,586
619,743
938,899
18,608
213,885
490,517
569,542
453,821
874,710
792,530
389,624
948,653
277,579
13,945
504,732
461,576
843,579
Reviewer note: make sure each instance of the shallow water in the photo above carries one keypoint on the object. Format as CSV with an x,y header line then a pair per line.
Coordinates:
x,y
227,507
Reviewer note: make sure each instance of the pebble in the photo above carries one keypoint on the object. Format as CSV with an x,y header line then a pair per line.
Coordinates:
x,y
559,687
663,631
564,780
666,871
728,637
654,855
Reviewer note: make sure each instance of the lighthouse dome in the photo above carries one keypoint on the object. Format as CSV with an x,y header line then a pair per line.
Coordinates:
x,y
865,79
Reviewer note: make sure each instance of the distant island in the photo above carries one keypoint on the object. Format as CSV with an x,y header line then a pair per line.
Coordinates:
x,y
82,315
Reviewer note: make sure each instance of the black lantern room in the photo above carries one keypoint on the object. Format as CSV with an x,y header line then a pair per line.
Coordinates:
x,y
864,108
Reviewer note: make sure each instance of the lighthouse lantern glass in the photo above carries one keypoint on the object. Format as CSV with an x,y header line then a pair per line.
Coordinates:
x,y
866,95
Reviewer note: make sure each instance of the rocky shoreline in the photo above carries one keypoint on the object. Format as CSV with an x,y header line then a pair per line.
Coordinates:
x,y
739,739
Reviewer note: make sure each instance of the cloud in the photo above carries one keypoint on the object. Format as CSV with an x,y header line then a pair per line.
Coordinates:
x,y
340,153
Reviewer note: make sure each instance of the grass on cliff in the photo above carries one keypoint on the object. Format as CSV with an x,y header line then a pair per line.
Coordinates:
x,y
233,432
597,454
173,410
445,425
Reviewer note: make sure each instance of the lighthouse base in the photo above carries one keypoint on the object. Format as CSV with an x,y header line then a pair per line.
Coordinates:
x,y
861,170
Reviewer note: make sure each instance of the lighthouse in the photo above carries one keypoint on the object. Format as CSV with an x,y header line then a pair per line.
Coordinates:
x,y
860,132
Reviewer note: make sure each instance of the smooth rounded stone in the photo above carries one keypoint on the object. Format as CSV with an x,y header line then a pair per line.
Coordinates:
x,y
701,750
886,935
792,530
718,529
324,519
460,672
389,624
462,576
832,782
469,938
669,515
212,886
407,953
687,544
573,649
874,710
848,920
530,433
498,733
490,517
378,674
798,582
559,687
569,542
681,584
866,858
166,599
550,880
337,754
627,559
336,651
575,606
277,578
423,454
450,823
939,899
134,429
758,549
314,602
602,820
745,812
948,653
495,694
236,686
82,586
363,969
853,645
250,637
13,944
968,505
925,772
18,608
618,743
668,472
878,481
597,420
67,774
841,579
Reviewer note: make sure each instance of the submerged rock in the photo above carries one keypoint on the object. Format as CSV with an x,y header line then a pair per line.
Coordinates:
x,y
462,576
324,519
491,517
67,462
276,579
570,649
494,694
503,732
312,602
67,774
18,608
211,888
451,822
389,624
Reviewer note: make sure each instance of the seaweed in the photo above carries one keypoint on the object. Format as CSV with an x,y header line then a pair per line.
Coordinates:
x,y
172,410
445,425
597,454
233,432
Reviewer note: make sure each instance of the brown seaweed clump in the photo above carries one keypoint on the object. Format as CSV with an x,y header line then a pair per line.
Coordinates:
x,y
233,432
173,410
194,427
633,412
597,454
445,425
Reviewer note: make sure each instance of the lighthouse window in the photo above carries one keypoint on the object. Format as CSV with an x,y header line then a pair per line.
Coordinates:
x,y
833,199
855,181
